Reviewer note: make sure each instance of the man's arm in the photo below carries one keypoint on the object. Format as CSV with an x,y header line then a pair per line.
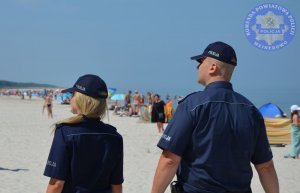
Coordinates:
x,y
268,177
116,188
55,186
165,171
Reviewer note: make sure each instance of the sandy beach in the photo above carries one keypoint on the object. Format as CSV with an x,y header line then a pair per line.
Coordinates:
x,y
25,139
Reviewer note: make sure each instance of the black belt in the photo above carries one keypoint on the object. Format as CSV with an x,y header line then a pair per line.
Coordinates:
x,y
248,191
177,188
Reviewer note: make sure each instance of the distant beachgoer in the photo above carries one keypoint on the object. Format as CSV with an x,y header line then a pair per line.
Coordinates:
x,y
48,104
22,95
168,98
66,100
158,114
142,100
141,104
149,102
295,132
127,99
149,98
136,101
86,155
30,94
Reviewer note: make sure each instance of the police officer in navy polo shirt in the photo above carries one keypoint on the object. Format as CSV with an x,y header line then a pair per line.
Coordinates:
x,y
215,135
86,155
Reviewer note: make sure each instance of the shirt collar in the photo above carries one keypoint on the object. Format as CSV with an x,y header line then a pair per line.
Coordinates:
x,y
219,84
86,119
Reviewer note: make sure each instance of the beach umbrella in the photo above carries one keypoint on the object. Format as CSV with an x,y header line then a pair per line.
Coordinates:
x,y
111,91
118,97
270,110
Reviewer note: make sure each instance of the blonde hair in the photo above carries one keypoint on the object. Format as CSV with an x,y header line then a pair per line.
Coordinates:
x,y
87,107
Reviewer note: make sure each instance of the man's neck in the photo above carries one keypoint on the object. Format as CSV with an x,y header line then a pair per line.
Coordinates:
x,y
215,79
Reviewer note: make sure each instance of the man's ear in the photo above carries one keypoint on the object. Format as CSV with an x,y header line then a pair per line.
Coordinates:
x,y
213,68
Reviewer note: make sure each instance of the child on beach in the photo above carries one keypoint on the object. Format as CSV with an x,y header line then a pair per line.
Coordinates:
x,y
86,154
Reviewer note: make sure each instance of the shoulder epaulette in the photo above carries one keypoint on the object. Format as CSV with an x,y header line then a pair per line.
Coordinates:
x,y
187,97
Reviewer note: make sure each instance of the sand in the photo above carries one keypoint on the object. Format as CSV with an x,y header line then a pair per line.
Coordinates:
x,y
25,139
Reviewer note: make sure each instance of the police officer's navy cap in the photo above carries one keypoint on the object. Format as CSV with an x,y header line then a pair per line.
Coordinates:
x,y
219,51
90,85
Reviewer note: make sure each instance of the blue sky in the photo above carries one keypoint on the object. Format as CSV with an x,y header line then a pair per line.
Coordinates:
x,y
136,44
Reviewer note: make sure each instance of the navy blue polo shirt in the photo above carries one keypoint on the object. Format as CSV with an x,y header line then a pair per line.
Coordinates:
x,y
88,156
218,133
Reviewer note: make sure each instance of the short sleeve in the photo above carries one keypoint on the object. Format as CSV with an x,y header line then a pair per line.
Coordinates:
x,y
262,151
117,174
58,162
179,131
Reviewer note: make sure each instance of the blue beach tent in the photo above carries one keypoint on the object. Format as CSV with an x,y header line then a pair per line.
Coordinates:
x,y
63,97
271,110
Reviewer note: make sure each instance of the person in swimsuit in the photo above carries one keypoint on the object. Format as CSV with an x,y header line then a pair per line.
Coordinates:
x,y
48,105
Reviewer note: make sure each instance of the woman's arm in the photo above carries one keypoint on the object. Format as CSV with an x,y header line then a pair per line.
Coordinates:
x,y
55,186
